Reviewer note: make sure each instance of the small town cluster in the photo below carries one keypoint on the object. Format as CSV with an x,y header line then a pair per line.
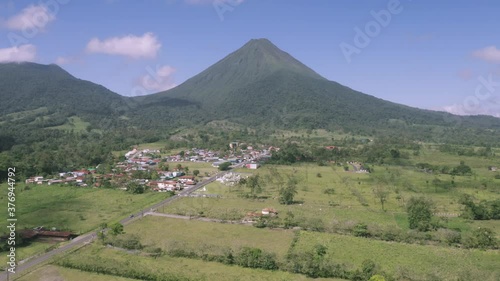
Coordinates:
x,y
147,167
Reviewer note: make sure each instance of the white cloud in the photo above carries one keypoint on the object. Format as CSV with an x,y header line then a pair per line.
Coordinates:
x,y
67,60
492,109
18,54
136,47
158,80
490,54
32,17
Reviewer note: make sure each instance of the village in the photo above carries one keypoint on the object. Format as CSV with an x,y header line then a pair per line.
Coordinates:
x,y
149,169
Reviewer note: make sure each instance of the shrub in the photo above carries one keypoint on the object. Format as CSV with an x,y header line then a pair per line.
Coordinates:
x,y
329,191
482,238
361,230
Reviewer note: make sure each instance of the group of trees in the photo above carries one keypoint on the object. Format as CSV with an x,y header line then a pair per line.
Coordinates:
x,y
484,210
461,170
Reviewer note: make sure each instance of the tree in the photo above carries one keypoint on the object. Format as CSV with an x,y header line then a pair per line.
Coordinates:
x,y
419,213
289,220
135,188
224,166
381,194
287,193
196,172
186,169
116,229
254,183
155,175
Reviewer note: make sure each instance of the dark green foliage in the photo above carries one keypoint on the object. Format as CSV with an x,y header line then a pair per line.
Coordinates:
x,y
461,170
419,213
224,166
116,229
287,194
361,230
484,210
483,238
254,183
256,258
290,221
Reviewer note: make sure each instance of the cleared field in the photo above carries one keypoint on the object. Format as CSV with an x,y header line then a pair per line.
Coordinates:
x,y
397,258
74,123
181,268
353,198
206,236
57,273
74,208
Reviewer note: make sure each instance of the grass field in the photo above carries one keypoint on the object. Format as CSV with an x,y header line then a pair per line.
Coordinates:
x,y
354,200
185,268
207,236
74,208
447,263
57,273
30,250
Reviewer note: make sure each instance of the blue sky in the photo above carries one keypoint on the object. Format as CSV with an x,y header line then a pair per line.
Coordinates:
x,y
430,54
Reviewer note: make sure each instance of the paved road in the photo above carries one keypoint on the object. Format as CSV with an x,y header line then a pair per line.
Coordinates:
x,y
86,238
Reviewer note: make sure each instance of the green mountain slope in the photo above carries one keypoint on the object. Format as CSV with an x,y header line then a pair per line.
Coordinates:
x,y
260,85
31,86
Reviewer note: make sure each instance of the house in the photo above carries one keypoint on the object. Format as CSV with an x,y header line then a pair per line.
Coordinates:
x,y
269,212
36,179
184,179
80,173
253,166
130,153
493,168
50,182
218,163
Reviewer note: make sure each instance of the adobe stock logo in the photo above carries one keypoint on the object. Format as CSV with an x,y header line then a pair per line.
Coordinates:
x,y
33,20
363,37
223,6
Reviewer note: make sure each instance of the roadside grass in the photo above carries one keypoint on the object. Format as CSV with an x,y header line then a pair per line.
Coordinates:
x,y
181,267
163,232
445,262
28,251
54,273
